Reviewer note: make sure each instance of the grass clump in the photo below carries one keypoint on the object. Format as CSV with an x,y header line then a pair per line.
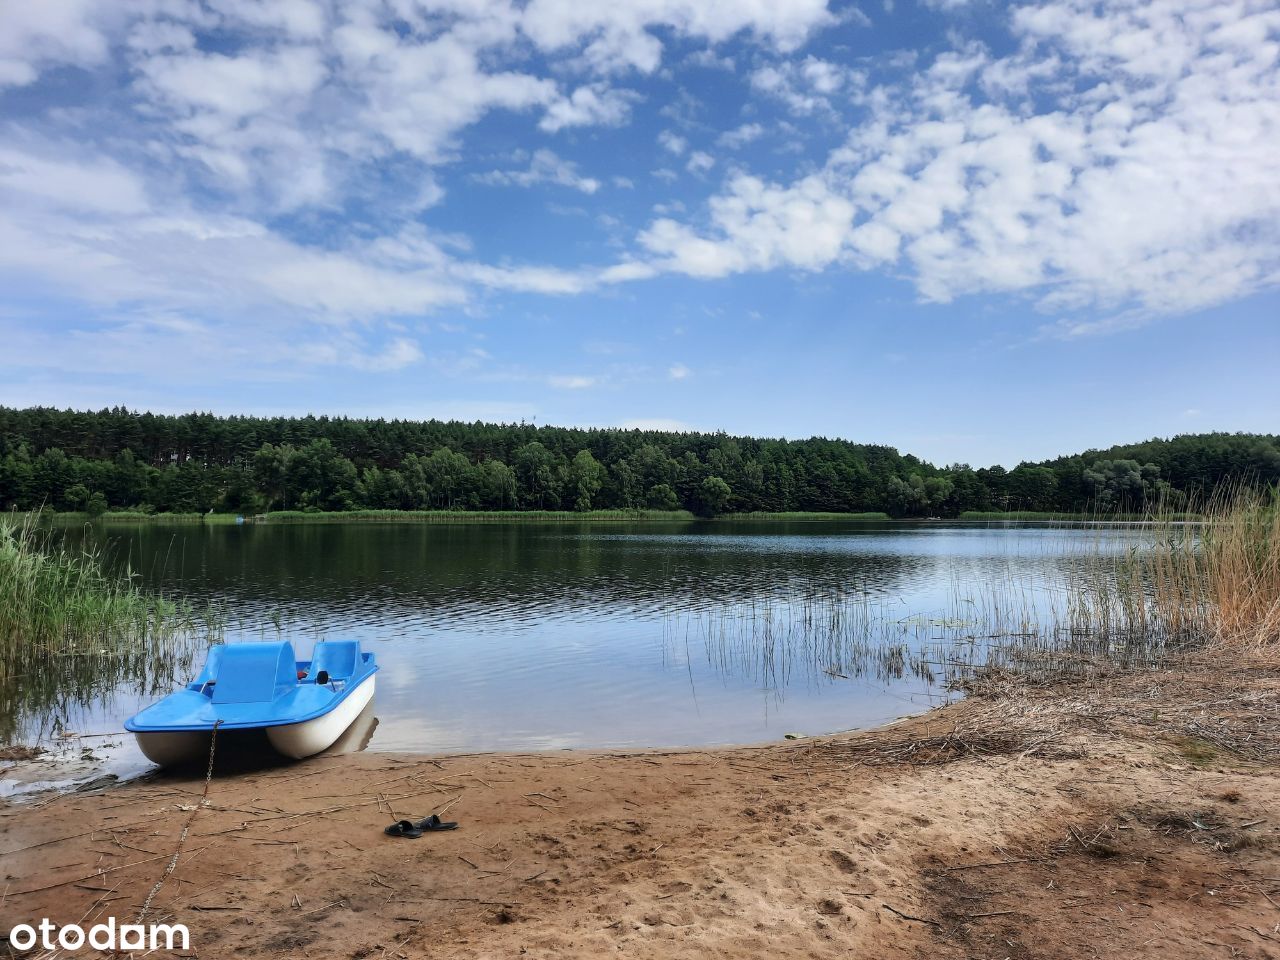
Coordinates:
x,y
1195,750
1215,579
70,632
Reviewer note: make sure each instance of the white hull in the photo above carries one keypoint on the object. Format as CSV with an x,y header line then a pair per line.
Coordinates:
x,y
310,737
297,740
171,748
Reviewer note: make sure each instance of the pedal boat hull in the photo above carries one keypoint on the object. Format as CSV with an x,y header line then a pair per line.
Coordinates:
x,y
303,707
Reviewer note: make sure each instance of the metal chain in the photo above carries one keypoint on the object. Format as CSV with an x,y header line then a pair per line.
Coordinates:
x,y
182,839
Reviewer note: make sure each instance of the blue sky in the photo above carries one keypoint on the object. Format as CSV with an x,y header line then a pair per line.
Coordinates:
x,y
977,232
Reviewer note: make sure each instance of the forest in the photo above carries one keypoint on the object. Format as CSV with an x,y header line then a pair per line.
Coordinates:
x,y
122,460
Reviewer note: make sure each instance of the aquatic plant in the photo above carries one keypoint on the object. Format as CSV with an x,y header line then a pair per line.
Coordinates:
x,y
1218,578
70,632
1212,580
469,516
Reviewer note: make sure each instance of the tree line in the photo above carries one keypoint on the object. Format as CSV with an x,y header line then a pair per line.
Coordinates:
x,y
117,459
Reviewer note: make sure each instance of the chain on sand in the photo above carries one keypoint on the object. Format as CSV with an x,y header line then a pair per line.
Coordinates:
x,y
182,839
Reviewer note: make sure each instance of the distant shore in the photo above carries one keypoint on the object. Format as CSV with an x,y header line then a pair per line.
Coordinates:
x,y
562,516
443,516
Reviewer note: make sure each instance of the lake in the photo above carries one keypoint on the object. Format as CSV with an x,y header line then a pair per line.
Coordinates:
x,y
527,636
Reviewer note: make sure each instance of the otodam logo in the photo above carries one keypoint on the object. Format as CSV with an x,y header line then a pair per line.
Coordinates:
x,y
101,936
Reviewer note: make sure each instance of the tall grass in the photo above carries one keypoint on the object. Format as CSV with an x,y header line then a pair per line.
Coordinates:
x,y
470,516
71,632
1216,579
803,515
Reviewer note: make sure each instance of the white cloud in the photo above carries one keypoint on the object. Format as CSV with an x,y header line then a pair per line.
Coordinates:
x,y
617,35
572,382
710,60
398,354
544,167
672,142
1122,159
97,187
587,106
234,87
528,279
757,226
292,18
700,162
740,136
809,85
678,371
34,36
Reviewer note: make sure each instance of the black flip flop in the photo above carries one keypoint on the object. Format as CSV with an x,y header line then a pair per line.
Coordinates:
x,y
435,823
404,828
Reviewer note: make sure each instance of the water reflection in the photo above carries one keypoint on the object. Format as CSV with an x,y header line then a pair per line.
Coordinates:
x,y
539,636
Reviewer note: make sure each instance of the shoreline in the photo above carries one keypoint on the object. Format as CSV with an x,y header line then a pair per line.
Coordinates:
x,y
1124,815
288,517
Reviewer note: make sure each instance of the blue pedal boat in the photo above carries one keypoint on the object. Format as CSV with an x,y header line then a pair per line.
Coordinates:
x,y
302,705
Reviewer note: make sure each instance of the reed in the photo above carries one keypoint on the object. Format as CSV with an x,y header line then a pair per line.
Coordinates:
x,y
1219,577
1212,582
1036,515
71,633
803,515
471,516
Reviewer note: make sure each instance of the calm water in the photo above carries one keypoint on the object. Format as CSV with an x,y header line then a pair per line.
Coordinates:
x,y
530,636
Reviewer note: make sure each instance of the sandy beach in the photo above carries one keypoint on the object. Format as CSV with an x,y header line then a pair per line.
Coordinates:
x,y
1127,815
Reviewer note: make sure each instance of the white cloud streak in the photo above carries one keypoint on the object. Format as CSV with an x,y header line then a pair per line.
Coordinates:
x,y
544,167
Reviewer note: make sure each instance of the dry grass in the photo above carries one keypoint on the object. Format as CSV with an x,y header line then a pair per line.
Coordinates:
x,y
1215,580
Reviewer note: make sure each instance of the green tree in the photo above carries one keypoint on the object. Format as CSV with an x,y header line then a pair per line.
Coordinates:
x,y
446,473
908,498
715,496
320,478
494,485
662,497
586,477
76,496
270,468
381,489
1121,484
535,468
1032,487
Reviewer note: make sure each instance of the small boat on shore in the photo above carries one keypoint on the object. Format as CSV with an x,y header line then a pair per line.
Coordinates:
x,y
303,706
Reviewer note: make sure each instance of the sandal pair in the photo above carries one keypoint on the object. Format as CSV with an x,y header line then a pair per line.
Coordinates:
x,y
412,829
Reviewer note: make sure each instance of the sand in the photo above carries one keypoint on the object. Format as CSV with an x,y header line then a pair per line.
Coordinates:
x,y
1133,815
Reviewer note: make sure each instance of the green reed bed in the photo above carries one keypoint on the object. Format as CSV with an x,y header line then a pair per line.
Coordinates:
x,y
72,517
803,515
470,516
999,515
1098,517
71,633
